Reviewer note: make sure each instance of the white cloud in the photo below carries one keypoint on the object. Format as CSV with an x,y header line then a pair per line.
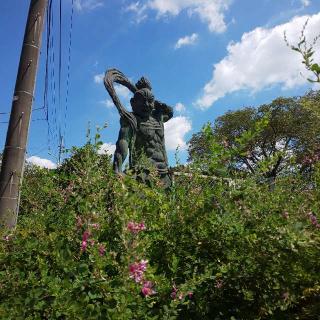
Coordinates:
x,y
139,10
210,12
180,107
175,131
122,91
107,148
305,3
42,163
186,41
81,5
98,78
259,60
107,103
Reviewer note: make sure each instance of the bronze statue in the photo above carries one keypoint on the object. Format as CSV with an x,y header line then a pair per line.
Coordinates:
x,y
141,131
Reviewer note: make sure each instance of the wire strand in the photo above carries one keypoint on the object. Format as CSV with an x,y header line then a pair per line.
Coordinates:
x,y
68,70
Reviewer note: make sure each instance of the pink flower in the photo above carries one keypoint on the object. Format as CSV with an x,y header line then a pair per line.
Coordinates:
x,y
137,270
190,294
174,292
102,250
92,242
313,219
219,284
285,296
134,227
86,235
6,238
147,289
180,296
95,226
84,245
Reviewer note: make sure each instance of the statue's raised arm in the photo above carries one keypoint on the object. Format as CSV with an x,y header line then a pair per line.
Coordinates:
x,y
115,76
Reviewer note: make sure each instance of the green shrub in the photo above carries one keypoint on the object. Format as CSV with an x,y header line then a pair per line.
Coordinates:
x,y
215,248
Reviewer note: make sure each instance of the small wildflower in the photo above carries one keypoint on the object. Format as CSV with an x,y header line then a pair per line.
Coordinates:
x,y
147,289
92,242
102,250
313,219
6,238
285,296
190,294
84,245
137,270
180,296
86,235
174,292
134,227
219,284
95,226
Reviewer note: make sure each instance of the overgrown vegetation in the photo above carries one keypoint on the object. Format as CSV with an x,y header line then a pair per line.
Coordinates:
x,y
93,245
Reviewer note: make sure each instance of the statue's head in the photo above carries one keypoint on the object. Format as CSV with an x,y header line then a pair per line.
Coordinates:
x,y
143,83
142,102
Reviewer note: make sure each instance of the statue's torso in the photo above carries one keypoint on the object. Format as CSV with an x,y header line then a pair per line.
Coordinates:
x,y
149,139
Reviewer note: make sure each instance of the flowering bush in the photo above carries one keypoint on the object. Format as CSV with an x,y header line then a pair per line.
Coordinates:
x,y
90,245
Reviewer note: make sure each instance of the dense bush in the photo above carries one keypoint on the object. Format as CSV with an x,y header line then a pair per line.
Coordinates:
x,y
93,245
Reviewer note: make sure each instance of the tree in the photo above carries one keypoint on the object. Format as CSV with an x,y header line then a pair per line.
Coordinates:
x,y
267,139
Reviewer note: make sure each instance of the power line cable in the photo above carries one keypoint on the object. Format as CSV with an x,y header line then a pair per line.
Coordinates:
x,y
60,56
68,69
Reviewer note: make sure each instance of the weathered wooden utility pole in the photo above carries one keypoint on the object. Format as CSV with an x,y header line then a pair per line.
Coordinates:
x,y
15,147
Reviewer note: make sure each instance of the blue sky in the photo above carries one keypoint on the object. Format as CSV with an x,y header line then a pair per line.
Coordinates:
x,y
203,57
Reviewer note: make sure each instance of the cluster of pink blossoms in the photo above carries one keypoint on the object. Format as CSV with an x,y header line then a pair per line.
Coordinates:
x,y
313,220
102,250
86,240
219,284
135,228
147,289
175,293
137,270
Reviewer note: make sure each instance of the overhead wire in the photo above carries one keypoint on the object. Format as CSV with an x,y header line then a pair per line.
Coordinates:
x,y
60,55
52,74
59,83
68,69
46,88
55,108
